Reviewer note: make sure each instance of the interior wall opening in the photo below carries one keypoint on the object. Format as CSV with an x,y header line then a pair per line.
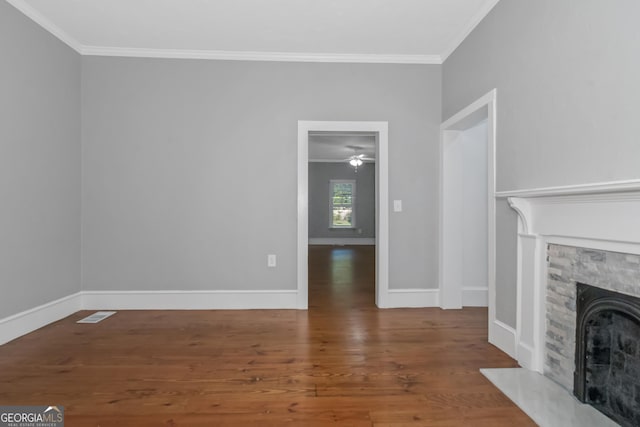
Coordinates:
x,y
343,195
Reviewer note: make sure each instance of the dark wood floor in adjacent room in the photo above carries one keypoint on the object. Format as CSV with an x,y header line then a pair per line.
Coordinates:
x,y
343,362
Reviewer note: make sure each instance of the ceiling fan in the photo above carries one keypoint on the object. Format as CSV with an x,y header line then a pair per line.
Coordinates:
x,y
357,159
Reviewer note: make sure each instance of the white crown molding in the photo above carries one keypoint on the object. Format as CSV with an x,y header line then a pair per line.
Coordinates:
x,y
472,24
45,23
261,56
567,190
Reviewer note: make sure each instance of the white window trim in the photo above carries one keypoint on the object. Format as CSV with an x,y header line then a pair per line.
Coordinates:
x,y
353,203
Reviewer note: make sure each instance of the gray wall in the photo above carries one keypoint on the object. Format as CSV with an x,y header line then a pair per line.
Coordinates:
x,y
473,144
319,176
39,165
190,167
568,90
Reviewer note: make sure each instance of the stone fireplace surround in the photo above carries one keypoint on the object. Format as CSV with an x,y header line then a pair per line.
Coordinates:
x,y
568,266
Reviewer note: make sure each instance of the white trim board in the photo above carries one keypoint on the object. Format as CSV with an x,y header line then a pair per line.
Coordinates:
x,y
503,336
578,189
425,298
413,298
475,296
22,323
28,321
222,55
342,241
189,300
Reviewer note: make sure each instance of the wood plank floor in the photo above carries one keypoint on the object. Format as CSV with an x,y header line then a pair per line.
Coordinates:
x,y
343,362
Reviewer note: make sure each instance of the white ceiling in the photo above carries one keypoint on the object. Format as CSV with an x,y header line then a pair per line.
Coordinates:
x,y
339,146
401,31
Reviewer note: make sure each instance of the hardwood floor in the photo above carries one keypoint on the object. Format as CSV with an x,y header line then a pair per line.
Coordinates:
x,y
343,362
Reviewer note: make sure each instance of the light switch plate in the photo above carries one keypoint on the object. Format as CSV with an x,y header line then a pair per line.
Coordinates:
x,y
271,260
397,205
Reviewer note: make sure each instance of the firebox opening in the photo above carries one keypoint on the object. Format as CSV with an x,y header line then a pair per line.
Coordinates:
x,y
608,353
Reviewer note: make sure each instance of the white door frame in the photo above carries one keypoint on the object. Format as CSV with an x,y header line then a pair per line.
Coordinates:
x,y
449,245
382,202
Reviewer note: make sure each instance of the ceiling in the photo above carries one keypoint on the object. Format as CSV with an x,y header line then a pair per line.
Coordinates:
x,y
391,31
339,146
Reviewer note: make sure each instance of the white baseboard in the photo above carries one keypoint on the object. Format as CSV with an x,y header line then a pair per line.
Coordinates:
x,y
525,356
503,336
342,241
27,321
475,296
189,300
22,323
412,298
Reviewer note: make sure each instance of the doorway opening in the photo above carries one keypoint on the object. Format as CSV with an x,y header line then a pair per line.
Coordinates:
x,y
342,219
378,131
467,272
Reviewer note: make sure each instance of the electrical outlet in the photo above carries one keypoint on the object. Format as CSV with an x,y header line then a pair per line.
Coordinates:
x,y
271,260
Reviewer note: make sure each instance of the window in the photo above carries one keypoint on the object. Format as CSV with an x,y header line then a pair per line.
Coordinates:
x,y
342,197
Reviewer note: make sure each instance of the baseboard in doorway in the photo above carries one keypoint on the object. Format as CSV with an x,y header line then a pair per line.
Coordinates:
x,y
475,296
412,298
503,336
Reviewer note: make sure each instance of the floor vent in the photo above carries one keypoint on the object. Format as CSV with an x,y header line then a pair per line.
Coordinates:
x,y
96,317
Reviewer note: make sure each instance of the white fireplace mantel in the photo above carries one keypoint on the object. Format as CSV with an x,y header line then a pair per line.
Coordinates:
x,y
602,216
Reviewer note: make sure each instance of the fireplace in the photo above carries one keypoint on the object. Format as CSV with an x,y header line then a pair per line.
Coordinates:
x,y
607,354
585,233
567,237
592,342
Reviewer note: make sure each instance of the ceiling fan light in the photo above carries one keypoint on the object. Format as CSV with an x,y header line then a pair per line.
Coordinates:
x,y
354,162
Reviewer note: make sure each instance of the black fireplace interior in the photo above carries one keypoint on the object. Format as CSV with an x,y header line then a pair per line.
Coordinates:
x,y
607,374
